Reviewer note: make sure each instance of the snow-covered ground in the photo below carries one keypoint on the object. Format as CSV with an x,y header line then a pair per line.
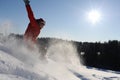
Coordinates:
x,y
61,62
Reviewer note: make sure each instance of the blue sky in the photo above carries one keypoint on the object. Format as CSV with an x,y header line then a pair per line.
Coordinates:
x,y
65,19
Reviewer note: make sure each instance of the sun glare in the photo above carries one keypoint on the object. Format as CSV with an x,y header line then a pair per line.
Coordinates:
x,y
94,16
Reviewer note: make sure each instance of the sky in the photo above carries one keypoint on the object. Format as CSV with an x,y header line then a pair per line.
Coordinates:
x,y
66,19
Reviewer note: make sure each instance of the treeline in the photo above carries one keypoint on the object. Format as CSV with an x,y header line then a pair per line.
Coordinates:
x,y
104,55
101,55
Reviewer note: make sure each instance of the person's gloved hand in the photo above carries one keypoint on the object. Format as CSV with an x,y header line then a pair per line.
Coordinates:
x,y
26,2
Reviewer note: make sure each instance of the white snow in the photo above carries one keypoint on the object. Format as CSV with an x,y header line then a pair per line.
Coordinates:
x,y
61,62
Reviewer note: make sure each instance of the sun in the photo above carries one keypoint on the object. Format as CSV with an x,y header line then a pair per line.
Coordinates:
x,y
94,16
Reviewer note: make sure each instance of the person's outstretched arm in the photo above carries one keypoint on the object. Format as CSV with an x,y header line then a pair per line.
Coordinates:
x,y
30,12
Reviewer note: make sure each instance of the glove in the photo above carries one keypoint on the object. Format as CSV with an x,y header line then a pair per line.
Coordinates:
x,y
26,2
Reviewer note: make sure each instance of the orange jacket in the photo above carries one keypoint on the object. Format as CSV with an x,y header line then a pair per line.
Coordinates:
x,y
33,29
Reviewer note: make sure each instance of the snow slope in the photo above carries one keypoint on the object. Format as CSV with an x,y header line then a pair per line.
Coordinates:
x,y
61,62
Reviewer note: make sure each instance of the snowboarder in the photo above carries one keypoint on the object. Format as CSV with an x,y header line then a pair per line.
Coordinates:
x,y
35,25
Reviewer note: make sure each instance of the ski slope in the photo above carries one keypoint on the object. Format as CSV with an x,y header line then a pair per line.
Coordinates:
x,y
61,62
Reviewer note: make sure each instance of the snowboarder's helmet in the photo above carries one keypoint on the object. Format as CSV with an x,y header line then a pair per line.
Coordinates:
x,y
40,21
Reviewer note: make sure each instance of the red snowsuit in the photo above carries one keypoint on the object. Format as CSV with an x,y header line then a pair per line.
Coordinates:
x,y
33,28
